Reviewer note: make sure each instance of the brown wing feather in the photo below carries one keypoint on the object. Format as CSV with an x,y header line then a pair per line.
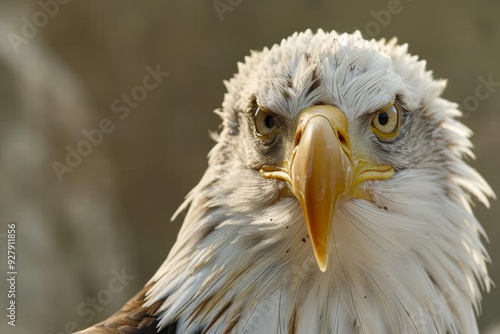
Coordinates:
x,y
133,318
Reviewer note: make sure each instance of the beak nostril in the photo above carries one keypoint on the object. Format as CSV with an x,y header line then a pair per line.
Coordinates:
x,y
341,138
298,137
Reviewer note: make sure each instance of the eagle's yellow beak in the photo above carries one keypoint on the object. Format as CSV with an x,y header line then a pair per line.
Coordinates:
x,y
321,172
324,172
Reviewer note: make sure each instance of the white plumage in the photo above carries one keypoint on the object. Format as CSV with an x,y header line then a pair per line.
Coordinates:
x,y
408,260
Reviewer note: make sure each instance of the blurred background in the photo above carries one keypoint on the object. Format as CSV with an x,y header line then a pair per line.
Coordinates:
x,y
92,230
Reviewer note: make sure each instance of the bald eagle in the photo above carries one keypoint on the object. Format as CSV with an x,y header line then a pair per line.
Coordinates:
x,y
336,200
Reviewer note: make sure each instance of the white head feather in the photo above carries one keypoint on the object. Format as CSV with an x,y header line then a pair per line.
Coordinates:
x,y
412,262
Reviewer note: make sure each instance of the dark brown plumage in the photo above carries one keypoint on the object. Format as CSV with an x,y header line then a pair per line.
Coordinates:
x,y
133,318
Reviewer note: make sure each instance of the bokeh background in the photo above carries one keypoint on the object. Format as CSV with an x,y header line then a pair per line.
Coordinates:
x,y
63,64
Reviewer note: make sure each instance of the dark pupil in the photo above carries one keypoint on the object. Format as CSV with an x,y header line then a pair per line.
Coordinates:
x,y
383,118
269,121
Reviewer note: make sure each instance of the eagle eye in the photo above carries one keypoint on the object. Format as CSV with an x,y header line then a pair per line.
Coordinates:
x,y
385,122
266,123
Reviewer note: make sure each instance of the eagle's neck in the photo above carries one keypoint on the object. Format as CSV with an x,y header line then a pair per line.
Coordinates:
x,y
243,263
